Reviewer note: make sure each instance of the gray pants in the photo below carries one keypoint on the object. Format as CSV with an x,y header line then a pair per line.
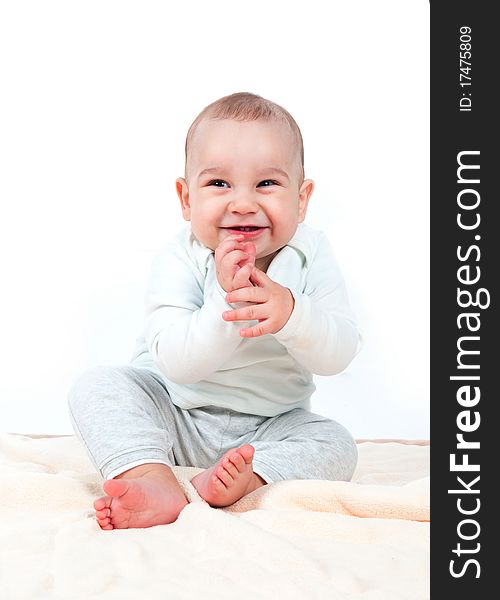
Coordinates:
x,y
124,417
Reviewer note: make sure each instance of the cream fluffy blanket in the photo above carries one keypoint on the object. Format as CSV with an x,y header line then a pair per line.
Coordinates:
x,y
307,540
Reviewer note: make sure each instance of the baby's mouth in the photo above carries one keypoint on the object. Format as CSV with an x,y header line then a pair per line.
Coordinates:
x,y
244,228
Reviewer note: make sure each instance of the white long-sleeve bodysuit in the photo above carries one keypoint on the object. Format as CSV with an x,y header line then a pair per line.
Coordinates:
x,y
204,360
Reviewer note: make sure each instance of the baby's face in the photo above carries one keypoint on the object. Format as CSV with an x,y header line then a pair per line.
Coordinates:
x,y
244,174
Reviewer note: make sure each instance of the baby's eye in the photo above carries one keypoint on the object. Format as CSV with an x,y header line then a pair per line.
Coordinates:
x,y
271,181
216,181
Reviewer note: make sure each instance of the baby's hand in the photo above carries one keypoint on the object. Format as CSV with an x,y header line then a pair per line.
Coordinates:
x,y
234,261
272,305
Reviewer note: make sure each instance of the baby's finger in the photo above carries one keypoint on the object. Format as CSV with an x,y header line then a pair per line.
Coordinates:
x,y
248,294
222,252
233,259
229,244
257,330
249,247
242,277
256,312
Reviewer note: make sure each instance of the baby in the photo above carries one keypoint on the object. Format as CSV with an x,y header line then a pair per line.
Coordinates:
x,y
242,307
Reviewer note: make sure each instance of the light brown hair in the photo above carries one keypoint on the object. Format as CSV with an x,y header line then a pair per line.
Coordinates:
x,y
244,106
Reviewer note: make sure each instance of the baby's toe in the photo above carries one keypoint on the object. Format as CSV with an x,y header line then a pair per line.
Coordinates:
x,y
223,475
230,468
218,485
101,503
102,514
247,452
104,523
237,460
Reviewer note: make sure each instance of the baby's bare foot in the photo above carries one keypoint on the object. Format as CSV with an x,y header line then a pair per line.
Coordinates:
x,y
154,497
229,479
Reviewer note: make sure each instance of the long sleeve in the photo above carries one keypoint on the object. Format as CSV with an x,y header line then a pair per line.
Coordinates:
x,y
184,329
321,333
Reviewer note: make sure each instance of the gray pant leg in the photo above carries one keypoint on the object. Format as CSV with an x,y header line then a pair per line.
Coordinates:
x,y
122,415
300,445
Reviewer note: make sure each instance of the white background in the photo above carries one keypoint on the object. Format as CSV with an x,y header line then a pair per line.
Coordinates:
x,y
95,104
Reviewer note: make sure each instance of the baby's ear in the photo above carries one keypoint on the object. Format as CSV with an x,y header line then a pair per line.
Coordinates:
x,y
182,189
306,189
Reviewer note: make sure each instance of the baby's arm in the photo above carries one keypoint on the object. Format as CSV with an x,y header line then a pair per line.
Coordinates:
x,y
184,330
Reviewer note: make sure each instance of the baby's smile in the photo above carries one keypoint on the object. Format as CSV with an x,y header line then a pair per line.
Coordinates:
x,y
249,231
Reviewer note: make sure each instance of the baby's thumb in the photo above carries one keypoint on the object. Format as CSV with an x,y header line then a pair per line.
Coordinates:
x,y
258,277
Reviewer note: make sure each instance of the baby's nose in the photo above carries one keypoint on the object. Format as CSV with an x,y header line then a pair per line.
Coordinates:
x,y
243,204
